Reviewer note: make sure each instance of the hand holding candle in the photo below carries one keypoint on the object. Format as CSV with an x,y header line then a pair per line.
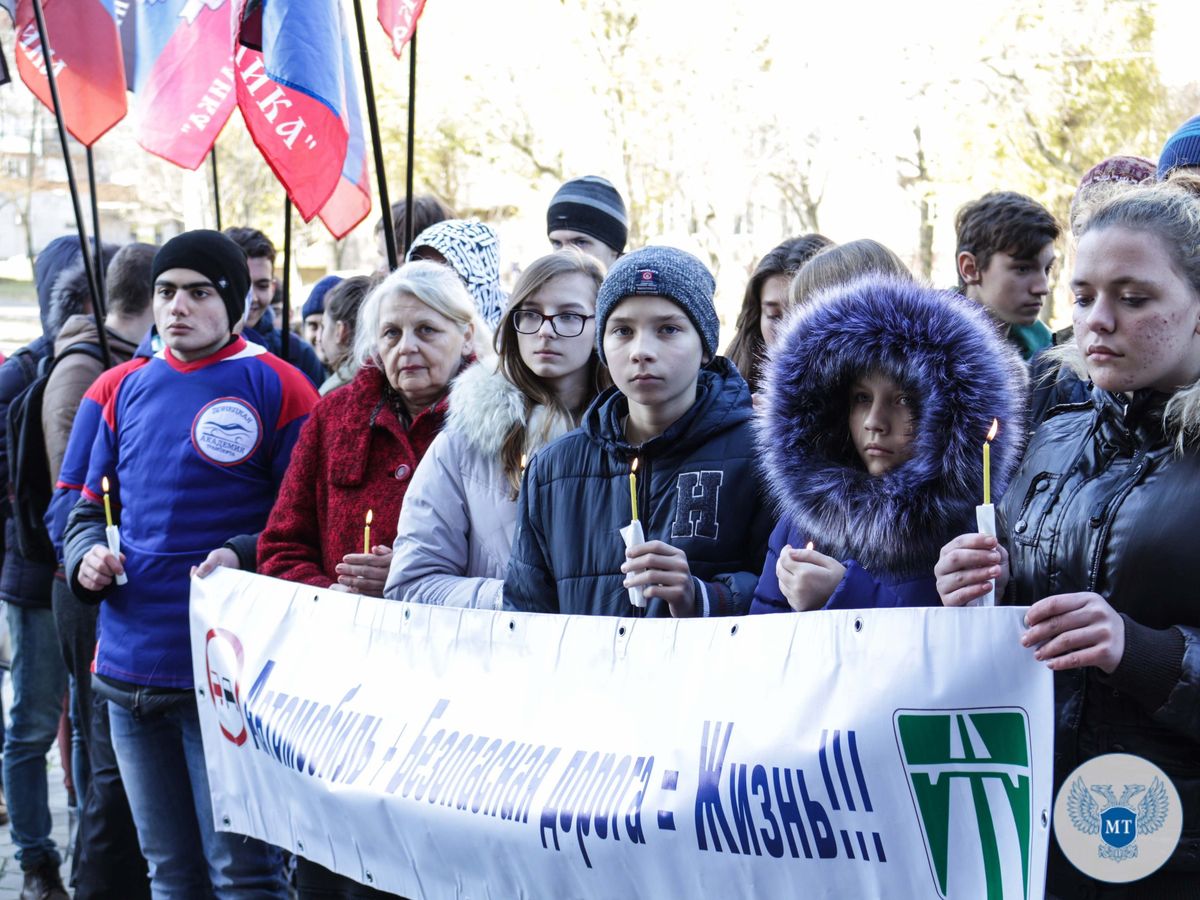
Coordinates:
x,y
111,532
367,531
633,534
985,514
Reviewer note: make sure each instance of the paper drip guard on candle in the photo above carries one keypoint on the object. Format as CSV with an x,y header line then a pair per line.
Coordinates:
x,y
113,533
985,521
633,534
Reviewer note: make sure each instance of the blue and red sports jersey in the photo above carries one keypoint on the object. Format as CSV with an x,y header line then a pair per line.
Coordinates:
x,y
73,472
194,453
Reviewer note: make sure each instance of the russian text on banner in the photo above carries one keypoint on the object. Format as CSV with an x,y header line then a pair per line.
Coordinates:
x,y
86,55
183,77
442,753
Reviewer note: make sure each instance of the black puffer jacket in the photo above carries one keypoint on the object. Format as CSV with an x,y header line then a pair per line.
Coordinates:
x,y
1102,503
698,490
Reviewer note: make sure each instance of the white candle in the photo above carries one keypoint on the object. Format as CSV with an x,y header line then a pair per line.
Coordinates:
x,y
633,534
113,534
985,521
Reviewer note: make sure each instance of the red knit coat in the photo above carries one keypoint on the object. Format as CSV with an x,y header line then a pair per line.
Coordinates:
x,y
353,454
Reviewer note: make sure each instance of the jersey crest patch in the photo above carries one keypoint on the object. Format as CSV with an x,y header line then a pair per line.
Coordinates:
x,y
227,431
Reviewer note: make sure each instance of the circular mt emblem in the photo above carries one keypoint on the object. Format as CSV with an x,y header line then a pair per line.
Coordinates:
x,y
1118,817
226,431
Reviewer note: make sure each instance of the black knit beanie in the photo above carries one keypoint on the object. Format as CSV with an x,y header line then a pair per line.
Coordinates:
x,y
591,206
214,256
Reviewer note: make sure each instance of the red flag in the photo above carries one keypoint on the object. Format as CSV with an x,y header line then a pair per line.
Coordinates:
x,y
399,20
88,66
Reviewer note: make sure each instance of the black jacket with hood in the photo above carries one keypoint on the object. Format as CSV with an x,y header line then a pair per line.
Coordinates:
x,y
1105,503
698,490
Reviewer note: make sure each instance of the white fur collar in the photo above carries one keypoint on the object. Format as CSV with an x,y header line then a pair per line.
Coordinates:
x,y
484,406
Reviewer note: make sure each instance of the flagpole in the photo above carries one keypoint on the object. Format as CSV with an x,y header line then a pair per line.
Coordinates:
x,y
286,345
412,119
216,185
389,229
97,243
72,184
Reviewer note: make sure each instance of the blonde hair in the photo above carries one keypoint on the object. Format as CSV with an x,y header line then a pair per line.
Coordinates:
x,y
1171,212
842,263
435,285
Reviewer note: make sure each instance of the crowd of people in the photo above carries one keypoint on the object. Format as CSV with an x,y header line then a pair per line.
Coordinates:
x,y
829,460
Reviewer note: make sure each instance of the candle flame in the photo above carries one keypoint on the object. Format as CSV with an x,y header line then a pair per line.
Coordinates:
x,y
370,515
991,435
634,467
524,461
808,546
104,483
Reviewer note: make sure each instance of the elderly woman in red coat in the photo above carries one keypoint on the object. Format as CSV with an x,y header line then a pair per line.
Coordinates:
x,y
357,453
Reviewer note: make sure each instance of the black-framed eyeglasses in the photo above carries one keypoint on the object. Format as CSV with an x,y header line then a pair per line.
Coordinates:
x,y
529,321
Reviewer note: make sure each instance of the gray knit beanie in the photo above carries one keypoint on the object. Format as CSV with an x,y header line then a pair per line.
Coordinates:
x,y
591,206
662,272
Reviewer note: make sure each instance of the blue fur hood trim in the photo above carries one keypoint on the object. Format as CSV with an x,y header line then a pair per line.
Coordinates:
x,y
962,373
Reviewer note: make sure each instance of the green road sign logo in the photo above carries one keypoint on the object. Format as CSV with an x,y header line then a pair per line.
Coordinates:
x,y
971,782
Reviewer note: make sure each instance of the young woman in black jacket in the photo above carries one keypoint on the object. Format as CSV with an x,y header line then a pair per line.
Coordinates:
x,y
1098,527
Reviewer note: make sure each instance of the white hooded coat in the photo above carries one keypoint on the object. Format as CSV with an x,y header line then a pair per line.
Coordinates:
x,y
455,532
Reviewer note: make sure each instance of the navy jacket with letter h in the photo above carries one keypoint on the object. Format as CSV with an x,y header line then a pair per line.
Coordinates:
x,y
698,490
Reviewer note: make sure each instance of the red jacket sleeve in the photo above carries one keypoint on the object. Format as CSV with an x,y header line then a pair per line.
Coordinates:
x,y
290,546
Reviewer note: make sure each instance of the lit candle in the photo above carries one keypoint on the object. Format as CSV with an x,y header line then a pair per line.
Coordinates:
x,y
367,532
987,461
633,488
524,463
985,513
808,546
107,504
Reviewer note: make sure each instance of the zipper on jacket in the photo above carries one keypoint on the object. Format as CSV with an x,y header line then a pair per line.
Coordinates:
x,y
1103,508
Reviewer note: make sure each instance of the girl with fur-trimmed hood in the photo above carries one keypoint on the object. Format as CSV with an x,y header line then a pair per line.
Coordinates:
x,y
878,399
456,527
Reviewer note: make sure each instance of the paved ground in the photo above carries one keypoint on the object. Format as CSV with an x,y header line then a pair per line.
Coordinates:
x,y
10,869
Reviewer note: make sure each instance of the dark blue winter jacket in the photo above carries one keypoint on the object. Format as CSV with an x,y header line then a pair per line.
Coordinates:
x,y
887,530
698,490
300,352
858,589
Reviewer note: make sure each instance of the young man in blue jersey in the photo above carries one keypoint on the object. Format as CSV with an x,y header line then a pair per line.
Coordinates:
x,y
194,444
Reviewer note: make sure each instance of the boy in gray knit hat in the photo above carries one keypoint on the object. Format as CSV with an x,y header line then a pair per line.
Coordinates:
x,y
683,413
588,214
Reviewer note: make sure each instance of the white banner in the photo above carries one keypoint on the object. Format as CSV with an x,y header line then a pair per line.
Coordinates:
x,y
438,752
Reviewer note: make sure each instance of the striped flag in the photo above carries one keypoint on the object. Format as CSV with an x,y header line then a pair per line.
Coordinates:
x,y
351,199
293,94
